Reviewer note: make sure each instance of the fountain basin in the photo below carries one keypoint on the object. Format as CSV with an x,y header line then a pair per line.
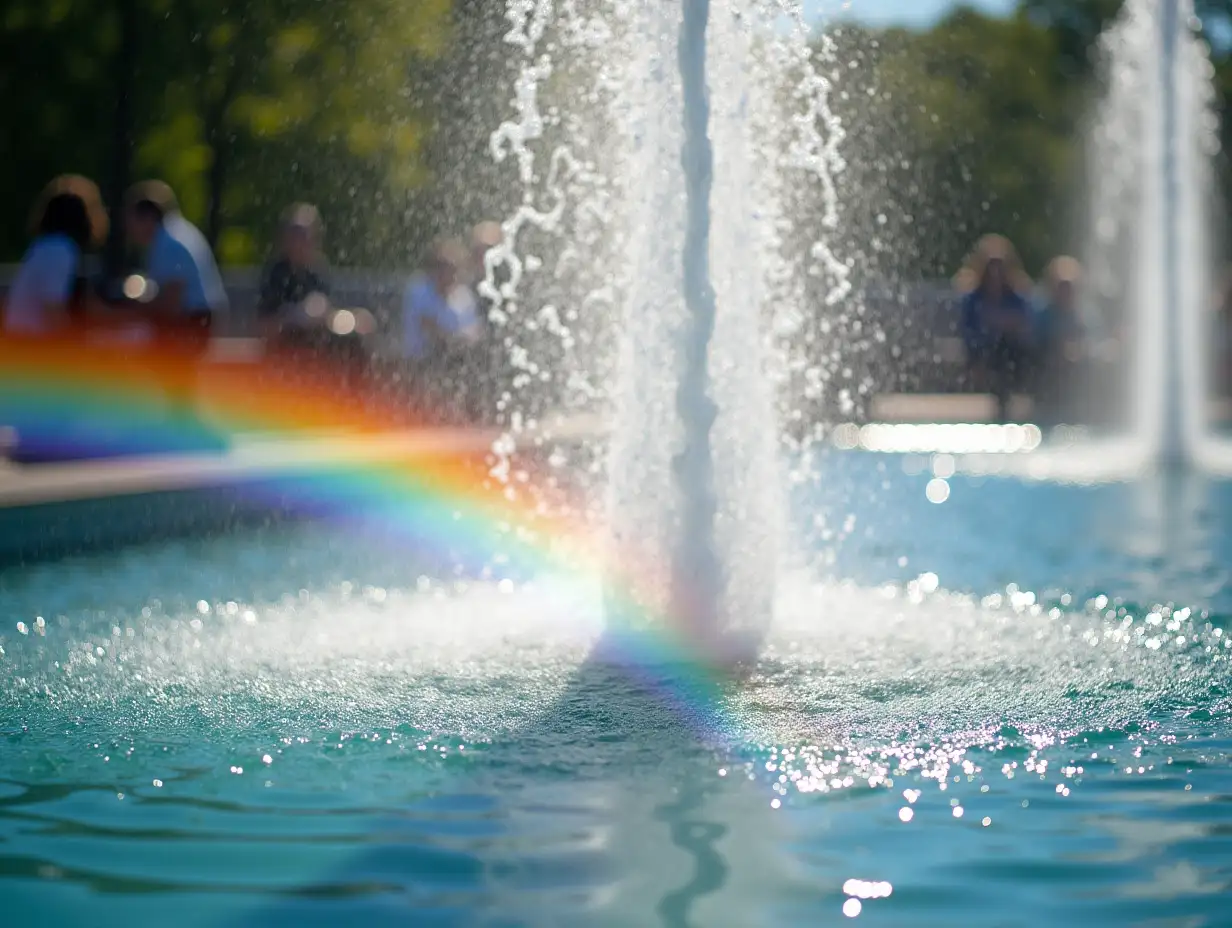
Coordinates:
x,y
306,724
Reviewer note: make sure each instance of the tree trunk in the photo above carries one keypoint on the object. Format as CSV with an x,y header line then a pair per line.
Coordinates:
x,y
216,180
122,136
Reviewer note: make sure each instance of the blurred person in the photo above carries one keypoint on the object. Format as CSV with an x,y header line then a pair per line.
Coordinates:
x,y
177,257
440,321
294,282
1063,344
996,320
295,309
48,302
48,295
188,290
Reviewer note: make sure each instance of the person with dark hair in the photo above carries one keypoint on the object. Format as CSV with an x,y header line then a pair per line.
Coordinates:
x,y
997,320
178,259
188,289
48,291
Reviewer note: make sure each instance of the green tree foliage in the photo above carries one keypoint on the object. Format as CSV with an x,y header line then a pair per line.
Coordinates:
x,y
967,128
242,107
978,125
57,86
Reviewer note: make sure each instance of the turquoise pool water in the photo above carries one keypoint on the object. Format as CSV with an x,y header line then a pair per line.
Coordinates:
x,y
982,712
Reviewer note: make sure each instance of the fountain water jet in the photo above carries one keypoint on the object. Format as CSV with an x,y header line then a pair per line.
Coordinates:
x,y
1150,158
704,124
696,573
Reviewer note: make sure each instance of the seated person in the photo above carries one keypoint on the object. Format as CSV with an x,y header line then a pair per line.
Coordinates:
x,y
1063,344
48,294
440,315
189,290
178,260
996,322
47,302
293,283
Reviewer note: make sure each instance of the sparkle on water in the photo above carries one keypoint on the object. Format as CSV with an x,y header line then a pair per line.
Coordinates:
x,y
280,724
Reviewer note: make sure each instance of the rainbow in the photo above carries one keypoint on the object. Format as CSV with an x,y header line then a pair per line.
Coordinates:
x,y
81,399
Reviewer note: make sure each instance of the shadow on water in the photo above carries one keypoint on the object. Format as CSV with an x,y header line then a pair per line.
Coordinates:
x,y
604,808
607,809
598,814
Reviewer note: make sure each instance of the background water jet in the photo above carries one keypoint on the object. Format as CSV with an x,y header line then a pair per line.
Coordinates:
x,y
1149,240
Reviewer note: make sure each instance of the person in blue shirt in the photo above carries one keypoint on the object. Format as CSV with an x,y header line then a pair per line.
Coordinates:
x,y
997,322
51,303
48,294
1063,340
178,259
189,293
440,328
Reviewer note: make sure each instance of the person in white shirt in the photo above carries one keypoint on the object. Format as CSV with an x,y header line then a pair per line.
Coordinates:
x,y
47,294
178,259
190,293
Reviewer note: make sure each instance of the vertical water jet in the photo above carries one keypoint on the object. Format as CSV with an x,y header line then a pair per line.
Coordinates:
x,y
696,573
1173,448
1150,158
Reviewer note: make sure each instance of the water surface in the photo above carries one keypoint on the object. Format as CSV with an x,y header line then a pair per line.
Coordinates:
x,y
1007,709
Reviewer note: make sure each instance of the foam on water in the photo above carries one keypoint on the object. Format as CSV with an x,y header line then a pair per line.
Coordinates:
x,y
840,662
